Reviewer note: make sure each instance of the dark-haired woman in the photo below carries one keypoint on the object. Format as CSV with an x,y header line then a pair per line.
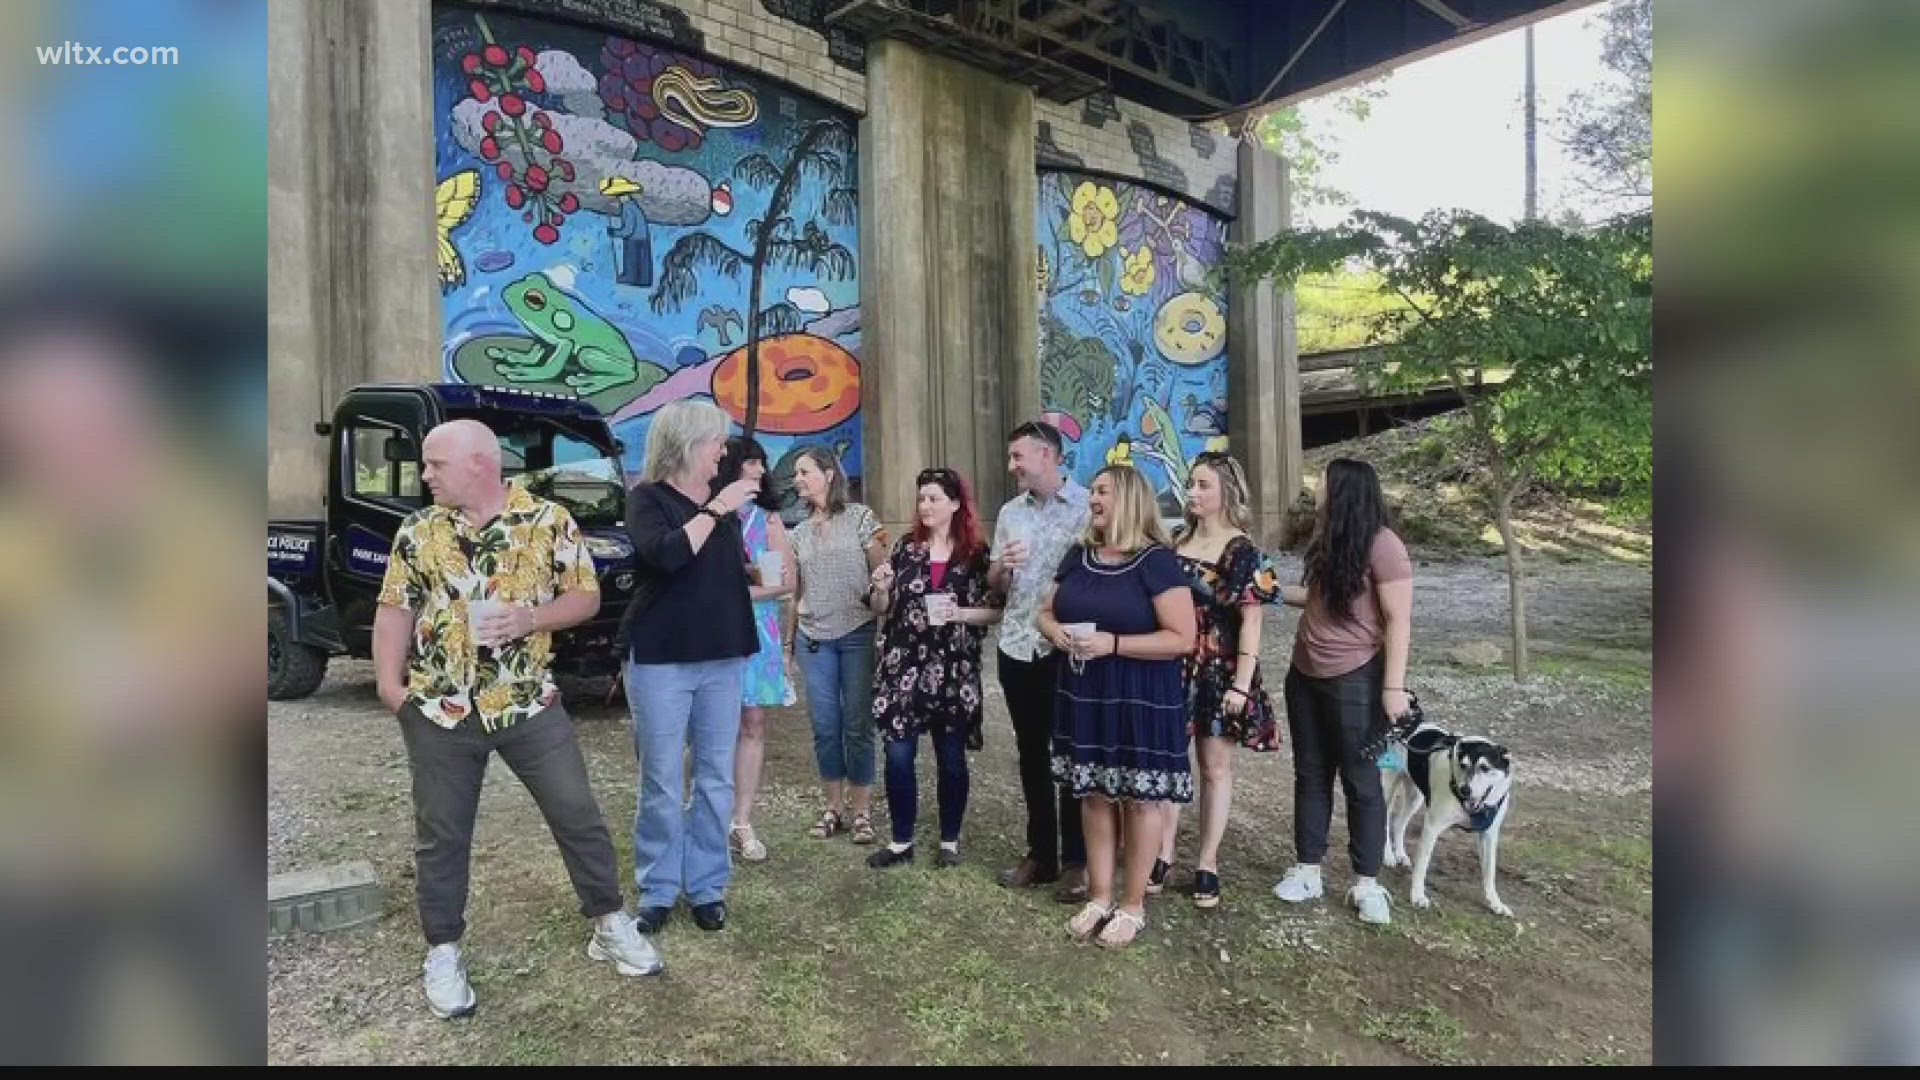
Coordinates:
x,y
764,684
1349,668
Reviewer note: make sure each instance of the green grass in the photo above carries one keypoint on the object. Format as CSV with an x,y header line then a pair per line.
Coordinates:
x,y
1623,670
826,962
1428,1032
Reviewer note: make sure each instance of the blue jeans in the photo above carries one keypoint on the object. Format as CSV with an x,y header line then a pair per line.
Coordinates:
x,y
675,706
839,677
903,788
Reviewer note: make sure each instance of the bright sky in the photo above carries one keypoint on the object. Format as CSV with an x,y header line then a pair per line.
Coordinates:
x,y
1450,131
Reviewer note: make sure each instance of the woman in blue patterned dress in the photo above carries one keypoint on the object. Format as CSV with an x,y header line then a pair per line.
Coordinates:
x,y
1122,612
765,684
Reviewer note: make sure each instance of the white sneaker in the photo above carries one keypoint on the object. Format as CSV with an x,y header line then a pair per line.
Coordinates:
x,y
1373,903
621,942
1301,884
449,994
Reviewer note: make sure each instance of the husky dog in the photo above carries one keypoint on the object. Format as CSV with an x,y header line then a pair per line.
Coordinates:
x,y
1464,781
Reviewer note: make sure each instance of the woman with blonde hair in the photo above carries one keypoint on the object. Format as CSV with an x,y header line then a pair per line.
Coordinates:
x,y
1228,704
1121,611
689,633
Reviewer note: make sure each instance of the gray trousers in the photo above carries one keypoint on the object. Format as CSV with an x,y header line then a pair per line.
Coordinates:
x,y
448,766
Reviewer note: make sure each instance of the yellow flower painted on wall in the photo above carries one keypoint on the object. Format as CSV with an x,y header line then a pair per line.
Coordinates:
x,y
1095,223
1139,274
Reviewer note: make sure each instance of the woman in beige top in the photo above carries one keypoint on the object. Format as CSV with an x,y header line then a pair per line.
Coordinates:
x,y
838,547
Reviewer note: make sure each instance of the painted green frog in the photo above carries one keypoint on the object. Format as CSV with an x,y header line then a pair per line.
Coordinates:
x,y
572,343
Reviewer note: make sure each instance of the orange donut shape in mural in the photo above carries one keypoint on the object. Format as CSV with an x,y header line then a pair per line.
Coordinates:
x,y
808,384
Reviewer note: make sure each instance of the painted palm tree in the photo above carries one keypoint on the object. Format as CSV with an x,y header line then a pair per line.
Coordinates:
x,y
823,151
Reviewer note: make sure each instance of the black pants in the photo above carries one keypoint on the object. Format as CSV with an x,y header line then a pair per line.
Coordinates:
x,y
1328,719
903,787
448,766
1054,835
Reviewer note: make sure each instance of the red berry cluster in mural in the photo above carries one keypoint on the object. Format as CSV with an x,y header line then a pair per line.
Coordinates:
x,y
503,80
627,89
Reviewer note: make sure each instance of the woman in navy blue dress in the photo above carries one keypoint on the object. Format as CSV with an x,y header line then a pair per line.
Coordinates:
x,y
1122,613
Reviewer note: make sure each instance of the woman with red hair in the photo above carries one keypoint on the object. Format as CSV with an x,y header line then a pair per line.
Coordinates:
x,y
936,606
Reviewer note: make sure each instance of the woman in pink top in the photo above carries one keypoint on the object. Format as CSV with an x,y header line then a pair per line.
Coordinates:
x,y
1349,666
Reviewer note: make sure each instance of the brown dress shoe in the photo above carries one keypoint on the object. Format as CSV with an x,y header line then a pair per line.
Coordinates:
x,y
1027,873
1073,886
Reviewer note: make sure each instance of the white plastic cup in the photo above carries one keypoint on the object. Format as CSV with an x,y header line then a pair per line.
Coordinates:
x,y
1079,632
941,608
770,564
477,612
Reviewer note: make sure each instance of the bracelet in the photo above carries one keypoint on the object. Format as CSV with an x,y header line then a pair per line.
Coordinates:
x,y
1255,655
1237,690
1116,646
710,512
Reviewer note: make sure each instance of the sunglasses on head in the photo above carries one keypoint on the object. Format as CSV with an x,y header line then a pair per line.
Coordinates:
x,y
946,478
1048,435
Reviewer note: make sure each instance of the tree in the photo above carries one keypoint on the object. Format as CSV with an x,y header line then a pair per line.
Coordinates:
x,y
1609,134
1305,137
1568,313
824,148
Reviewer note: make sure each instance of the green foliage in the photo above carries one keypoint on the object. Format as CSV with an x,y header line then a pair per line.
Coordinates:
x,y
1337,310
1306,136
1568,313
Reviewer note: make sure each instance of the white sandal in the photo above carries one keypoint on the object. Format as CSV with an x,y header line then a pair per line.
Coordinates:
x,y
1135,924
1088,922
747,844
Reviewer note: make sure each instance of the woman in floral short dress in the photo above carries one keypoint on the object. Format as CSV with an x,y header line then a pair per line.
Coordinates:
x,y
1231,580
765,684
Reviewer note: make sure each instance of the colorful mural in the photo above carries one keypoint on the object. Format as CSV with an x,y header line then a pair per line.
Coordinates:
x,y
627,224
1133,330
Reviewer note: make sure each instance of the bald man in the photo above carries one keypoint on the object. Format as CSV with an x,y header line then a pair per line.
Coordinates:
x,y
476,586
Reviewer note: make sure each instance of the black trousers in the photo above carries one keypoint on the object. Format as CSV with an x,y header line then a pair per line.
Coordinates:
x,y
1055,838
1328,719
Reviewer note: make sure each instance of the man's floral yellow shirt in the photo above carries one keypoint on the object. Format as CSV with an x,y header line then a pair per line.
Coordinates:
x,y
441,562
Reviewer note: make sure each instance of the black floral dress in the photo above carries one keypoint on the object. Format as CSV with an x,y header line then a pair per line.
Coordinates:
x,y
929,676
1240,575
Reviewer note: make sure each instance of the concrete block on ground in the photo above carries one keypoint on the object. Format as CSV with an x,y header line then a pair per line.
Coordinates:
x,y
324,899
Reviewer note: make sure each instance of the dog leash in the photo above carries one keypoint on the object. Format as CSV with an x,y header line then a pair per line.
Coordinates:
x,y
1395,730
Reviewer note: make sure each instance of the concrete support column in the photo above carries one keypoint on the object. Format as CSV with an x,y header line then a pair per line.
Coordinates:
x,y
949,307
1263,409
350,219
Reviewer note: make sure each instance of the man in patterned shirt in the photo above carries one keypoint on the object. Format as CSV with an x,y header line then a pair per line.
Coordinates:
x,y
463,689
1032,534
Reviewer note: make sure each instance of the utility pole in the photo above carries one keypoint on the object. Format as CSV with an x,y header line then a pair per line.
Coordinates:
x,y
1533,164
